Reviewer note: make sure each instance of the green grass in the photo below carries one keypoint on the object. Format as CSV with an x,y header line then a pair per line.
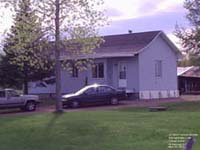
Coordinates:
x,y
123,129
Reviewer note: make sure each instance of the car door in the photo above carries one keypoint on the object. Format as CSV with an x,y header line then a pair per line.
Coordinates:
x,y
105,94
3,99
14,100
89,96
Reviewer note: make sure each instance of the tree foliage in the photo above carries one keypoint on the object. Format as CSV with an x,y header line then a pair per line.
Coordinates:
x,y
79,21
10,75
74,25
25,46
189,60
190,37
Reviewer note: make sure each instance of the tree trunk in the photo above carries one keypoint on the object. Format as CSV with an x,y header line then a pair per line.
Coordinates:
x,y
59,107
25,84
25,89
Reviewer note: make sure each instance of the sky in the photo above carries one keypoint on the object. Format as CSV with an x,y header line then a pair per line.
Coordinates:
x,y
135,15
145,15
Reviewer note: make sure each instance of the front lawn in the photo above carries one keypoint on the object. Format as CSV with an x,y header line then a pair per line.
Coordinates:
x,y
123,129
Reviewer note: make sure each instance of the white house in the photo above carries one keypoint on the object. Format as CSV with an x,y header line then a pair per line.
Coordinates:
x,y
144,64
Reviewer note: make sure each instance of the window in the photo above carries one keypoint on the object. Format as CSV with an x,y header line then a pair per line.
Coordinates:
x,y
90,91
158,68
122,71
2,94
101,70
40,84
75,72
105,90
50,80
12,94
98,70
94,71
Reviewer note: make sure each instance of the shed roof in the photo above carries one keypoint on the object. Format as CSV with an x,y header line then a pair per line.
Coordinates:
x,y
192,71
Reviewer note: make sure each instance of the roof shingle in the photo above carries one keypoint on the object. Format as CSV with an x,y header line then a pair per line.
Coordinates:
x,y
124,45
133,42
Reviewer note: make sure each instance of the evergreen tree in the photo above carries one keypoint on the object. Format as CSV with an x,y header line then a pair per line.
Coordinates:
x,y
26,46
10,75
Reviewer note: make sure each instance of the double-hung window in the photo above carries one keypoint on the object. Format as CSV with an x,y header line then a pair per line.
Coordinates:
x,y
75,72
98,70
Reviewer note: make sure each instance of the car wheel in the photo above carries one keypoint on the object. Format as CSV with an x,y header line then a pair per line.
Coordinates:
x,y
75,104
114,101
31,106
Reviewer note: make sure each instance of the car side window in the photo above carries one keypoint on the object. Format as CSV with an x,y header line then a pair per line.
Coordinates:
x,y
105,90
108,89
12,94
90,91
2,94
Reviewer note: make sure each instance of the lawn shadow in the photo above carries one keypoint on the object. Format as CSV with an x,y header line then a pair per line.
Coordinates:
x,y
77,131
53,120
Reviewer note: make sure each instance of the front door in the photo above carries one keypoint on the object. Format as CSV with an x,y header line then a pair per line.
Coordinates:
x,y
123,67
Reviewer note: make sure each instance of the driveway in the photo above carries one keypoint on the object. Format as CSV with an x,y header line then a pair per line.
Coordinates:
x,y
129,104
123,104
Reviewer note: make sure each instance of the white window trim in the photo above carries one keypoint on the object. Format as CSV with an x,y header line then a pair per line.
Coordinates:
x,y
159,72
99,78
126,62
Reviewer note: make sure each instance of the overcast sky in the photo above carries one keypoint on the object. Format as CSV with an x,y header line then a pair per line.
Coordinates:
x,y
136,15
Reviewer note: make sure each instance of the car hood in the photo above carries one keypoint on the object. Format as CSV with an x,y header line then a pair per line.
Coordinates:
x,y
34,97
69,95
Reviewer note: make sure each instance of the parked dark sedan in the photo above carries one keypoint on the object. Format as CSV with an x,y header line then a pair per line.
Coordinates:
x,y
94,94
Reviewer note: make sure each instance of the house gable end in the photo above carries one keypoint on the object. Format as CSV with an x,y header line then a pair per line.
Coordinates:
x,y
158,51
167,41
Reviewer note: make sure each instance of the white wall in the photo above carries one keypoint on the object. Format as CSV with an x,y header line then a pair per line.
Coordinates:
x,y
149,84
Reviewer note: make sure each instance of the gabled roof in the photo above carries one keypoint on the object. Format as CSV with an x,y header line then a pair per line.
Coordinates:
x,y
125,45
135,41
128,45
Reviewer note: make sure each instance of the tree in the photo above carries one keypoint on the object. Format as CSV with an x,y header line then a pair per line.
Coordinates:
x,y
189,60
79,20
190,37
25,45
10,75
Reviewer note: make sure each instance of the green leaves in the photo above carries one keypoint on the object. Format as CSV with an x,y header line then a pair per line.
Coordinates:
x,y
190,36
34,20
26,46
